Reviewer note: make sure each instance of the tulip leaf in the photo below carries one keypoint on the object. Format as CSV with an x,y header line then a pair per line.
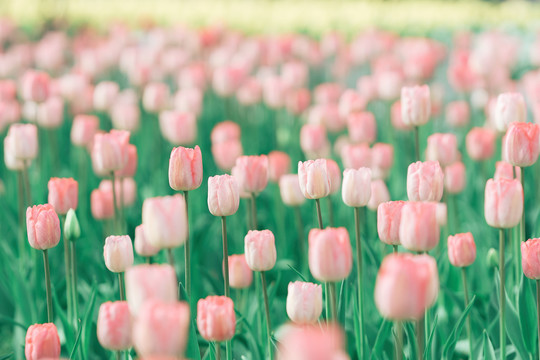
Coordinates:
x,y
86,327
427,352
411,336
450,344
384,333
513,329
527,314
489,352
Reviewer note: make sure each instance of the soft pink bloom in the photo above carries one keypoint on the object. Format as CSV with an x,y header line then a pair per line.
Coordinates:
x,y
314,178
274,90
216,319
192,76
313,140
334,172
461,249
227,79
406,286
125,188
161,328
165,221
155,97
185,169
118,253
114,325
63,194
297,101
379,194
530,258
396,119
101,204
279,164
388,221
442,148
356,188
330,254
35,86
356,156
150,282
188,101
503,203
109,152
251,172
43,226
425,181
304,302
327,93
506,170
480,143
83,129
415,105
260,250
21,142
250,92
362,127
510,108
419,227
50,113
328,116
125,116
441,212
457,113
223,195
240,274
313,342
382,160
522,144
226,153
42,342
225,131
142,246
105,94
294,74
178,128
289,188
130,168
454,178
351,102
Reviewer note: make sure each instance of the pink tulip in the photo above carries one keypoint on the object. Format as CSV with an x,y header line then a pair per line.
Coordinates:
x,y
279,164
503,204
188,101
334,172
125,116
530,258
415,105
406,286
289,188
313,342
379,194
442,148
155,97
313,140
396,119
425,181
125,188
382,160
130,168
273,91
178,128
457,113
225,131
388,221
326,115
165,221
105,94
240,274
327,93
83,129
454,178
297,101
110,152
362,127
101,204
356,156
114,325
510,108
35,86
294,74
250,92
50,113
42,341
461,249
21,142
480,143
522,144
506,171
223,195
185,169
251,172
227,79
63,194
150,282
161,328
314,178
351,102
260,250
419,227
142,246
216,319
356,189
118,253
330,254
226,153
43,227
304,302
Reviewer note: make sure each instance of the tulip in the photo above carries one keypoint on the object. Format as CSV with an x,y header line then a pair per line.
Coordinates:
x,y
425,181
118,253
125,116
240,274
379,194
415,105
313,342
530,258
279,164
225,131
130,168
63,194
150,282
314,179
330,256
461,249
260,250
503,204
304,302
396,119
142,246
480,143
109,152
356,189
43,227
382,160
102,204
442,148
454,178
351,102
223,195
356,156
250,92
185,169
226,153
362,127
21,142
105,94
178,128
161,328
251,172
227,79
35,86
388,222
335,175
510,108
188,101
313,140
165,221
297,101
83,129
114,325
50,114
42,341
457,113
522,144
155,97
291,193
506,170
216,319
419,229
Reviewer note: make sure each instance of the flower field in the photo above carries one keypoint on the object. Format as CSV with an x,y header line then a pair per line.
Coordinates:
x,y
214,187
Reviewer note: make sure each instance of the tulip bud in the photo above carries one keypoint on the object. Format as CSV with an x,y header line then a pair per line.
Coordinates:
x,y
83,129
118,253
314,179
406,286
351,102
110,152
130,168
185,169
35,86
72,230
356,156
330,254
454,178
63,194
289,188
297,101
165,221
251,173
42,341
279,164
396,119
425,181
362,127
216,319
415,105
442,148
43,227
480,143
530,258
114,325
142,246
223,195
461,249
492,258
356,189
313,140
382,160
388,221
503,203
226,153
510,108
379,194
260,250
419,228
304,302
225,131
21,142
522,144
240,274
178,128
125,116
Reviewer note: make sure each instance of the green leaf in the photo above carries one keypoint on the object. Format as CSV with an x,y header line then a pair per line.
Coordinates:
x,y
427,352
489,352
7,356
513,329
411,338
68,328
302,277
450,345
86,322
527,314
385,331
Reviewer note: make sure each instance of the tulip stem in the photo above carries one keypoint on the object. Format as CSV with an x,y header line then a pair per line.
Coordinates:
x,y
319,214
115,204
187,254
170,257
28,190
21,201
301,245
420,324
537,313
517,243
118,355
73,276
254,224
502,336
121,285
225,256
395,249
267,312
48,286
417,143
359,278
330,211
67,260
466,295
218,350
398,326
148,259
333,302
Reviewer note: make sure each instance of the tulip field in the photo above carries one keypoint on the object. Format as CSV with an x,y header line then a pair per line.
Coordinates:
x,y
204,190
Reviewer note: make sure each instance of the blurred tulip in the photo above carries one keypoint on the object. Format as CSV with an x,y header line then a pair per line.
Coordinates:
x,y
226,153
142,246
114,325
454,178
415,105
109,152
279,164
165,221
251,173
313,140
178,128
382,160
419,227
480,143
83,129
105,94
522,144
216,319
63,194
313,342
503,204
330,254
188,101
125,116
35,86
442,148
304,302
388,221
461,249
291,193
240,274
379,194
356,189
530,258
506,171
130,168
155,97
351,102
510,108
102,204
118,253
297,101
362,127
21,142
356,156
457,113
50,113
425,181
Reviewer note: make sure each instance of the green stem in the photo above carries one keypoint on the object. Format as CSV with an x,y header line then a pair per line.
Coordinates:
x,y
148,259
187,251
28,190
170,257
225,256
330,211
115,204
121,286
538,313
21,208
48,286
359,278
118,355
395,249
502,336
301,243
67,261
254,224
469,325
517,242
73,276
416,143
218,350
267,313
319,214
420,337
398,326
121,217
333,302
